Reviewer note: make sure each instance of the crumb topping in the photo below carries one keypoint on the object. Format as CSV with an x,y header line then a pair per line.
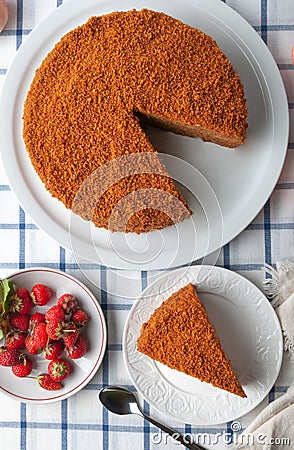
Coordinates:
x,y
180,335
83,106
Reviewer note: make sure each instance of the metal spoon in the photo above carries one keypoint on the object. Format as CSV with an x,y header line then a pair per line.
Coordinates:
x,y
121,401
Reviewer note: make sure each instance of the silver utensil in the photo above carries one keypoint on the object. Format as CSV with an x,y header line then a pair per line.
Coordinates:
x,y
121,401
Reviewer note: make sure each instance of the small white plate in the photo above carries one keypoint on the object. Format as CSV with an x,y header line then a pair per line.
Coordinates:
x,y
224,188
248,329
27,390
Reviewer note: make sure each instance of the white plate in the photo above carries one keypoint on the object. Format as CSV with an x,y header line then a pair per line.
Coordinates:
x,y
241,179
27,390
248,329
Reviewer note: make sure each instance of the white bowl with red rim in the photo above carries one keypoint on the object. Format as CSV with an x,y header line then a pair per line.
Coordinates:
x,y
94,332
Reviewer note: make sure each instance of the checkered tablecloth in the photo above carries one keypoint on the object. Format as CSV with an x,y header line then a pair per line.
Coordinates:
x,y
80,422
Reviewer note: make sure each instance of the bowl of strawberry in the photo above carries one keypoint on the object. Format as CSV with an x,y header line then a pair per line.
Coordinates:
x,y
52,335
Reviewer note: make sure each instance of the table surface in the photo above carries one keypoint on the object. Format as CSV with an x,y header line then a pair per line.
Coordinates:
x,y
80,422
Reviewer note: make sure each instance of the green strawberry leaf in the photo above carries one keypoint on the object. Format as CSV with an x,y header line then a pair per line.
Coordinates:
x,y
6,291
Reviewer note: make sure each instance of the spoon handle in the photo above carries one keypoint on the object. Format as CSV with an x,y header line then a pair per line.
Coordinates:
x,y
174,434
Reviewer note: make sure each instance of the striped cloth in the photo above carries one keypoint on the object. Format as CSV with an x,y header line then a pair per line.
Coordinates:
x,y
80,422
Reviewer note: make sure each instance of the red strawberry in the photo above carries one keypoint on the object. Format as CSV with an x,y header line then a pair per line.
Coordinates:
x,y
68,302
78,350
55,329
70,334
21,301
41,294
79,317
35,319
55,313
9,357
30,346
53,350
40,336
59,369
19,322
46,382
16,340
23,368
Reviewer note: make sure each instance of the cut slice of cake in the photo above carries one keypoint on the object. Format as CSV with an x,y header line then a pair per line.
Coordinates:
x,y
180,335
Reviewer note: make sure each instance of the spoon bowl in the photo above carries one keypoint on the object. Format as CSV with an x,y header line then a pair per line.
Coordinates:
x,y
121,401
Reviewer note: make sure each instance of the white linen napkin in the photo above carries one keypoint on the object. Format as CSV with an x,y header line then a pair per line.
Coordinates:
x,y
273,427
280,289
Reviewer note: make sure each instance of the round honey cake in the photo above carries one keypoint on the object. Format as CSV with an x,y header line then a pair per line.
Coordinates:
x,y
84,111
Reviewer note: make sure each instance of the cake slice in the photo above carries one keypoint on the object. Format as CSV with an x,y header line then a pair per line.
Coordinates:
x,y
180,335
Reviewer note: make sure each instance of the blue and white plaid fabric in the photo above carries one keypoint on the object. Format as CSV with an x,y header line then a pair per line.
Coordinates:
x,y
80,422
